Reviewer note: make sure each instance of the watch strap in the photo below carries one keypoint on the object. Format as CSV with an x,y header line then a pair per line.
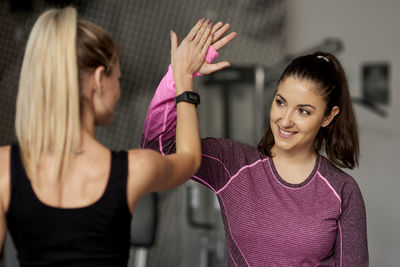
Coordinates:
x,y
188,96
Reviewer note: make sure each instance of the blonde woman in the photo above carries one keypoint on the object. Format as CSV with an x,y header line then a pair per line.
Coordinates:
x,y
65,198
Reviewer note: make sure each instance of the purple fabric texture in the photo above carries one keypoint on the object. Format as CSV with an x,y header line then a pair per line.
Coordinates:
x,y
268,222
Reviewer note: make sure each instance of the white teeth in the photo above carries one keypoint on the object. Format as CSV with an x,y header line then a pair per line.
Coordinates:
x,y
285,133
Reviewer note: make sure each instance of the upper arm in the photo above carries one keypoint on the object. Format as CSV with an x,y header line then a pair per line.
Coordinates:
x,y
4,190
216,163
221,160
352,237
149,171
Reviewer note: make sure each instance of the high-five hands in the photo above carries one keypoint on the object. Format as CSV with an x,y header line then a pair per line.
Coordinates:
x,y
187,58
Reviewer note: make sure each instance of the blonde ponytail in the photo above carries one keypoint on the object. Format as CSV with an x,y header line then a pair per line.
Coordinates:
x,y
47,110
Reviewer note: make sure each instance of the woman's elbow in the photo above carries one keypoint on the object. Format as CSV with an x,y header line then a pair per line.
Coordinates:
x,y
197,163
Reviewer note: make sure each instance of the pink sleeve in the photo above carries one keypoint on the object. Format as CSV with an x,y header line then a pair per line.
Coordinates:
x,y
160,122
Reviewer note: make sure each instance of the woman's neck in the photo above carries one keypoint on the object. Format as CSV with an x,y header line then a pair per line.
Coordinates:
x,y
87,123
294,167
302,157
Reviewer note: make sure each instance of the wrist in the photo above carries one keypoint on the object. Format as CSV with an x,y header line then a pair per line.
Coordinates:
x,y
183,77
183,84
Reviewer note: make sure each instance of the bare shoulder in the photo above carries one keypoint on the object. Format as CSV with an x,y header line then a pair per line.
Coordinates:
x,y
4,175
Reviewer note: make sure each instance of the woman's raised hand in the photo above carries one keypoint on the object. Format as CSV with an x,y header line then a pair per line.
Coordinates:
x,y
218,31
187,58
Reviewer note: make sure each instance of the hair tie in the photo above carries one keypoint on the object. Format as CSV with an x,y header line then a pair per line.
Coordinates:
x,y
324,58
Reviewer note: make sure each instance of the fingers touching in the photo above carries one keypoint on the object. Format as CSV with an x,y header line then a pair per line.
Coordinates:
x,y
188,56
207,44
191,52
203,29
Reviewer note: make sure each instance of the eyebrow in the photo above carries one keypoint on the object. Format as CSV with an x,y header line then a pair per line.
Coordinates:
x,y
299,105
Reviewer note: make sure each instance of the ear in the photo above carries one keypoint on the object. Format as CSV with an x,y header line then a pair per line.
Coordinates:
x,y
98,79
327,120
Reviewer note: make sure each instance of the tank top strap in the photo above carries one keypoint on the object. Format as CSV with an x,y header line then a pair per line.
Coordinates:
x,y
119,168
19,179
117,184
119,164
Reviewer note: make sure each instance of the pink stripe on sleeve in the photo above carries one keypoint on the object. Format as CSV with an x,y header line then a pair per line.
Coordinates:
x,y
236,174
204,182
341,244
208,156
333,190
230,233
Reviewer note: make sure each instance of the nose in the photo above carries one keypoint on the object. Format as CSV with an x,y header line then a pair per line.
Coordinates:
x,y
286,120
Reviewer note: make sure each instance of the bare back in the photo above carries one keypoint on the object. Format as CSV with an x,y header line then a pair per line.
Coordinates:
x,y
84,182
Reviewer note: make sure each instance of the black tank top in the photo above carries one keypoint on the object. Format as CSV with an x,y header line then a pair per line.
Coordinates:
x,y
96,235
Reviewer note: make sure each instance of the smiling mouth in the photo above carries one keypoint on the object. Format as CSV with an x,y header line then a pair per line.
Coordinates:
x,y
285,133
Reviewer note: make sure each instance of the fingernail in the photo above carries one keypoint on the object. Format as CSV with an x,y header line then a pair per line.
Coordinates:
x,y
202,19
208,21
171,32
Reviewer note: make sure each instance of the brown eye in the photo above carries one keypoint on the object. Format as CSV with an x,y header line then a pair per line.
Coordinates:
x,y
304,112
279,102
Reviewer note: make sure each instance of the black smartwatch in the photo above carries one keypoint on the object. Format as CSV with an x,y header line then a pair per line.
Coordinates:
x,y
188,96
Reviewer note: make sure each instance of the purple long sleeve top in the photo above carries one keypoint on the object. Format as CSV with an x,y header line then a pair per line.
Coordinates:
x,y
267,221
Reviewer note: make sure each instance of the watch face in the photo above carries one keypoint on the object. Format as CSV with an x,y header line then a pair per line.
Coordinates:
x,y
193,97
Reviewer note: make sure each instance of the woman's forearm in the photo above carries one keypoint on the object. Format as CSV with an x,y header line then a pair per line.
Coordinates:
x,y
187,128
